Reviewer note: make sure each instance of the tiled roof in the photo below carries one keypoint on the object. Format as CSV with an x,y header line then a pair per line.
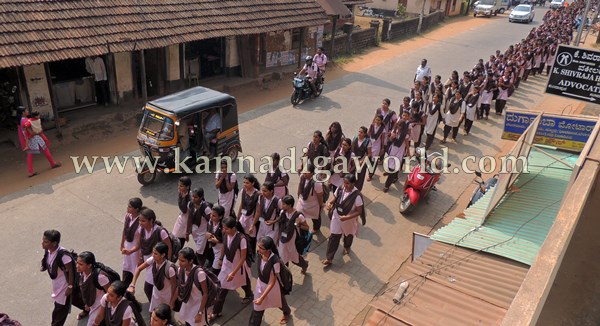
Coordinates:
x,y
335,7
519,225
36,31
451,286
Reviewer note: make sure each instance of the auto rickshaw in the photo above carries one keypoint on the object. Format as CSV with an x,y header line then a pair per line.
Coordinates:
x,y
179,122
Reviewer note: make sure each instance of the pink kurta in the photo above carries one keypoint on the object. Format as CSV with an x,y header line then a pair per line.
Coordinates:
x,y
273,299
239,278
349,227
287,251
164,295
310,207
269,230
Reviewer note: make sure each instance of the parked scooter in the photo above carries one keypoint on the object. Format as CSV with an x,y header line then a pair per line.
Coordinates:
x,y
419,183
483,187
302,89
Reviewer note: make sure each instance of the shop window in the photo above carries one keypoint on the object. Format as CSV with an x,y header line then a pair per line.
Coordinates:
x,y
68,70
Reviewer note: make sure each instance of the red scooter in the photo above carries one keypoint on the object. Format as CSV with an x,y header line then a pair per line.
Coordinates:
x,y
419,183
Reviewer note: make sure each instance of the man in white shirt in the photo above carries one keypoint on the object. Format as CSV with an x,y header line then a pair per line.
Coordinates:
x,y
211,128
95,66
422,71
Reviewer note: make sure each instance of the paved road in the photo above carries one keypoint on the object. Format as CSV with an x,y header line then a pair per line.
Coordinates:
x,y
89,208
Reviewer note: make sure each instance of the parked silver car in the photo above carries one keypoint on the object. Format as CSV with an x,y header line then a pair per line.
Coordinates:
x,y
521,13
555,4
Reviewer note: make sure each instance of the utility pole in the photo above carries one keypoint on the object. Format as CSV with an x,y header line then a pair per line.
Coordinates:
x,y
584,19
421,17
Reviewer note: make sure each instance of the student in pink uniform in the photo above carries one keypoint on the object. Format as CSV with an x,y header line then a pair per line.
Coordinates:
x,y
268,290
198,216
115,309
61,269
235,272
183,200
151,233
279,178
310,197
266,215
347,205
191,284
214,236
247,209
34,141
90,294
377,134
130,239
225,183
291,220
164,276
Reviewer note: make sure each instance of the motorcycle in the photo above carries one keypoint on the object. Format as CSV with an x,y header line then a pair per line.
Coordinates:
x,y
302,89
419,183
483,187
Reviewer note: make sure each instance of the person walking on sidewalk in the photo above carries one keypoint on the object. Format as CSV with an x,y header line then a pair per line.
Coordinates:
x,y
33,141
310,197
268,291
452,119
344,208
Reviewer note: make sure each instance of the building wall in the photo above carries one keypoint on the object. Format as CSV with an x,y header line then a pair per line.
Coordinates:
x,y
39,92
453,7
232,60
384,4
124,76
415,6
278,46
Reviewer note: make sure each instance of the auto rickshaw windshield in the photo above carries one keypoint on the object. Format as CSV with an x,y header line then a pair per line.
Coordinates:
x,y
157,126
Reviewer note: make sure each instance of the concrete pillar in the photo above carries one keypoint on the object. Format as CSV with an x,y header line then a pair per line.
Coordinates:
x,y
386,30
123,76
375,24
38,89
173,69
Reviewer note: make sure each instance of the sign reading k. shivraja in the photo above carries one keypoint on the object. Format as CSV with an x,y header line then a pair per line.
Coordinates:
x,y
567,132
575,74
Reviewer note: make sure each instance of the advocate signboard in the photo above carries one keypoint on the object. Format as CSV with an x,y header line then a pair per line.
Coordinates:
x,y
567,132
575,74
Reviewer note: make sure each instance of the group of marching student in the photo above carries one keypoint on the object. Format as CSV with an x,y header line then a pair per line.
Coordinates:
x,y
225,247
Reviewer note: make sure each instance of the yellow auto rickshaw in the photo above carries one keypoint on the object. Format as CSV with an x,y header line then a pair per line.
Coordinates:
x,y
198,122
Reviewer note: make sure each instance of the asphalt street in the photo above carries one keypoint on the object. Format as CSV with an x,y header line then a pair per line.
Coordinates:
x,y
88,208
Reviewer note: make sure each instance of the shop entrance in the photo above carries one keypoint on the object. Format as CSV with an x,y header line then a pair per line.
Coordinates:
x,y
205,58
72,84
155,71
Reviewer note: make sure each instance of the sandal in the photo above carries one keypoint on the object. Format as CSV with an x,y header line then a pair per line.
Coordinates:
x,y
284,319
82,315
326,262
212,317
386,189
56,165
246,300
346,251
32,174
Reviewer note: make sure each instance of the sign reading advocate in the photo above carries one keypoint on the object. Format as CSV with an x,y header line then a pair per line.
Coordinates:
x,y
575,74
554,130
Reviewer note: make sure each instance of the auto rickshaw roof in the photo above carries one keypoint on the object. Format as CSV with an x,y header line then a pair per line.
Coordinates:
x,y
192,100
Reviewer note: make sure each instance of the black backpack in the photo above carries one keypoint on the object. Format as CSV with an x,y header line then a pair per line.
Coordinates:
x,y
303,240
110,273
175,246
213,284
285,279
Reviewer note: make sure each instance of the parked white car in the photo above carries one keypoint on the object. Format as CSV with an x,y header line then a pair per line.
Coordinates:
x,y
522,14
557,4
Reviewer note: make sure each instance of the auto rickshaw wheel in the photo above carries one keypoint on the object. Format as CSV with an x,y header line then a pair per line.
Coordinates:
x,y
232,152
146,178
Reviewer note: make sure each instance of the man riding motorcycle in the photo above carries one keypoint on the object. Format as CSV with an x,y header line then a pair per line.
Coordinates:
x,y
311,69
